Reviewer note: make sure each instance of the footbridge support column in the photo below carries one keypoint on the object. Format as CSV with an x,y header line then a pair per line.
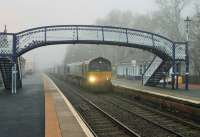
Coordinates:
x,y
14,69
173,65
186,68
14,79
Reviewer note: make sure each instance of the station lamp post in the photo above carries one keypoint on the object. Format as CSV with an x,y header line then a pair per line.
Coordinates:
x,y
187,21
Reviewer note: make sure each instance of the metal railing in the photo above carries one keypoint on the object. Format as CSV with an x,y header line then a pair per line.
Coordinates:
x,y
91,34
151,69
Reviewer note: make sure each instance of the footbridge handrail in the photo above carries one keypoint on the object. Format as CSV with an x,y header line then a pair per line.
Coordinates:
x,y
91,34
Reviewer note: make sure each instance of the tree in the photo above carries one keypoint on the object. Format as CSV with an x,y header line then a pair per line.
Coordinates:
x,y
169,18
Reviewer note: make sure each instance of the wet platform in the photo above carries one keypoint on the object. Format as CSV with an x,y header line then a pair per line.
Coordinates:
x,y
192,95
22,115
61,119
39,109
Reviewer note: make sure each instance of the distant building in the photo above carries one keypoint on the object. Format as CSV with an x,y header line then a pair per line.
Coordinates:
x,y
22,65
29,66
132,69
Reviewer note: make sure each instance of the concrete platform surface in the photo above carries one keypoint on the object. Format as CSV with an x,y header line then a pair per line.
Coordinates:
x,y
22,115
69,122
192,96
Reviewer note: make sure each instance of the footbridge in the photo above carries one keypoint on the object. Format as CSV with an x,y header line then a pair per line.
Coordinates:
x,y
167,52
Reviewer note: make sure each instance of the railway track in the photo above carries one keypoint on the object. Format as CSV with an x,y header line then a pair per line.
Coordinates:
x,y
167,122
141,120
175,127
101,120
102,124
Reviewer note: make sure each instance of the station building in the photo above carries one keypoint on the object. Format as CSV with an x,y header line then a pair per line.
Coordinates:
x,y
131,69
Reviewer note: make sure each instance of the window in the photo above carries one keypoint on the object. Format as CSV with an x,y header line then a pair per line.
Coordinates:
x,y
100,65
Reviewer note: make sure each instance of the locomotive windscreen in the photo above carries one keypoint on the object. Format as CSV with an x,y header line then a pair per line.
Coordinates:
x,y
100,64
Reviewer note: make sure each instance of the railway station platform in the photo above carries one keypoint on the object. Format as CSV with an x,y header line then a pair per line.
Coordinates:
x,y
39,109
192,95
185,103
22,115
61,119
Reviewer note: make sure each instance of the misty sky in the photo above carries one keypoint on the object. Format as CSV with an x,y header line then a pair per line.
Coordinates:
x,y
23,14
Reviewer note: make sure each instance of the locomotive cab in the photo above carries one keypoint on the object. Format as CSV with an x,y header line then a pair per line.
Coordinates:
x,y
99,73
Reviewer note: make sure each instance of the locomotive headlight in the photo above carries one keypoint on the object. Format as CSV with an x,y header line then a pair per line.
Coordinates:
x,y
92,79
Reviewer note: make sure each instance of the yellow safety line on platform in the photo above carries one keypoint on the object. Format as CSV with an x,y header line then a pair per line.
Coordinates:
x,y
72,109
52,128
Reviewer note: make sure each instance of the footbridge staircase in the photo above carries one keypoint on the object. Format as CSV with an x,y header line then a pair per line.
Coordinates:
x,y
158,67
6,73
156,71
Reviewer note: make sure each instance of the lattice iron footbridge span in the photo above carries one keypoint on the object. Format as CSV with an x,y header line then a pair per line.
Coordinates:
x,y
13,45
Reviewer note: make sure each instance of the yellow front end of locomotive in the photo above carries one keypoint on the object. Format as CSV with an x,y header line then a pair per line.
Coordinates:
x,y
99,78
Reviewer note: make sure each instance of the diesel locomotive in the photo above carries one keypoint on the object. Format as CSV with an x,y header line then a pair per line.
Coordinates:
x,y
95,73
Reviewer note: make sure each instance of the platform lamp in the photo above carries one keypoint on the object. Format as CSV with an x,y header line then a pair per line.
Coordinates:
x,y
187,21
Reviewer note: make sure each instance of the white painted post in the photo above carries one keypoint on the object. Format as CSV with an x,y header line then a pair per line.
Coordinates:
x,y
14,87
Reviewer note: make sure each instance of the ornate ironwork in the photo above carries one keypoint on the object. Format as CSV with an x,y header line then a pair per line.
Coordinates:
x,y
6,42
16,44
65,34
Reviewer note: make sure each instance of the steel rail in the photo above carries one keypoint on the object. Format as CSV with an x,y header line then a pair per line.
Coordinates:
x,y
125,109
154,123
193,125
126,129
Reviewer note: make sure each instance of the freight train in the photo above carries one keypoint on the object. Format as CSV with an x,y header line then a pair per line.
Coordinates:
x,y
95,73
